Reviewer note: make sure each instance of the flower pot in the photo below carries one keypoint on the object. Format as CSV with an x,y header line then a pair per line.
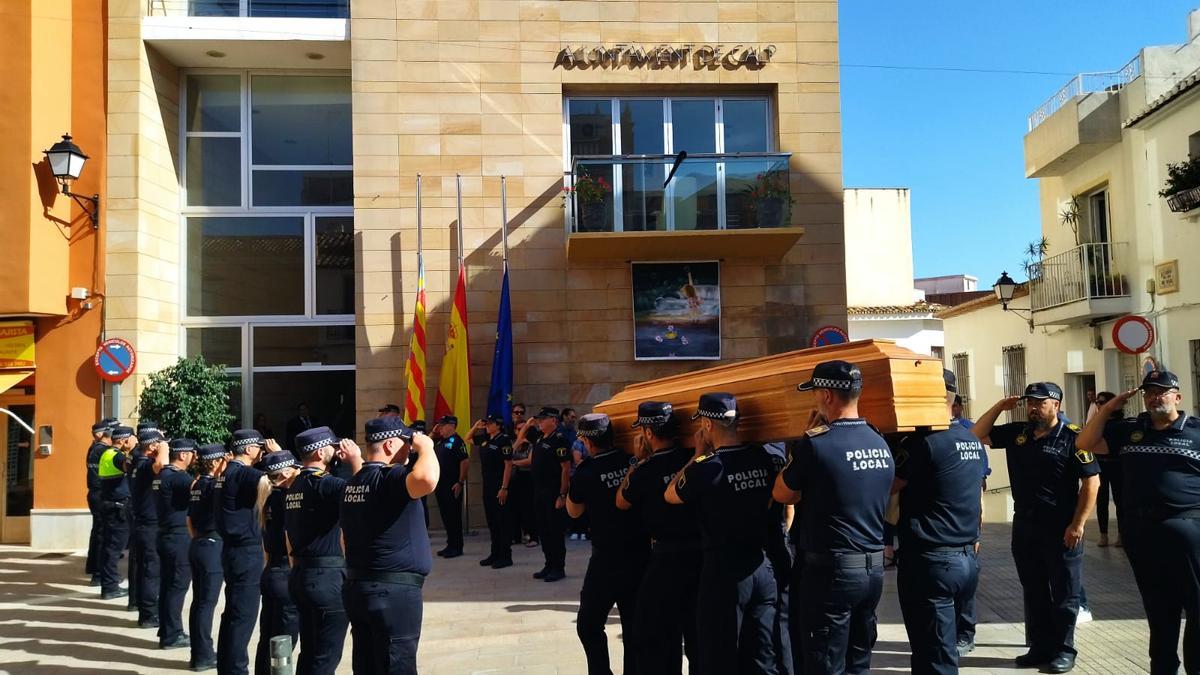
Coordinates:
x,y
593,216
770,212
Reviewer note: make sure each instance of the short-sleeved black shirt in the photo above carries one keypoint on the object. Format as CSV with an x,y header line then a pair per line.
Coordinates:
x,y
549,455
594,485
234,495
1116,434
92,459
1162,468
450,453
383,526
313,506
674,523
274,539
940,505
493,453
172,492
731,492
844,473
1044,472
141,489
200,510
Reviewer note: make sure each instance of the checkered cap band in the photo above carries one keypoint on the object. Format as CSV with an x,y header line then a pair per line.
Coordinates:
x,y
384,435
653,420
121,433
826,383
728,414
315,445
244,442
279,464
590,433
211,451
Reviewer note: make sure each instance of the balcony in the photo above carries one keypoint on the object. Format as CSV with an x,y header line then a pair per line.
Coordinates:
x,y
715,206
1184,201
1079,285
1077,122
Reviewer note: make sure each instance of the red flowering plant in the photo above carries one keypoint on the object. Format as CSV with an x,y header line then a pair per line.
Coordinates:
x,y
770,185
588,189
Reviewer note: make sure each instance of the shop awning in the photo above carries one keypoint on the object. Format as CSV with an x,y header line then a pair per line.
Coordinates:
x,y
11,378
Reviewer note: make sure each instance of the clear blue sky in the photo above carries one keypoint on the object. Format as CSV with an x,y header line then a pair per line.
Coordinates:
x,y
955,138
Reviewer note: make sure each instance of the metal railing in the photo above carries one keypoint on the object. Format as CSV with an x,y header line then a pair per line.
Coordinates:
x,y
1086,83
1085,272
322,9
1184,200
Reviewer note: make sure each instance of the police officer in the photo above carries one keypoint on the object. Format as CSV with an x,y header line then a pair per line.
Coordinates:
x,y
419,425
550,460
666,599
779,551
938,477
100,442
620,545
454,462
114,507
1159,451
495,463
844,470
204,554
318,564
143,547
1054,490
172,491
729,485
235,495
387,546
279,615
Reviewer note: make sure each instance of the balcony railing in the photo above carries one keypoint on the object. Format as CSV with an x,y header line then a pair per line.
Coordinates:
x,y
1086,83
1184,200
1086,272
626,193
305,9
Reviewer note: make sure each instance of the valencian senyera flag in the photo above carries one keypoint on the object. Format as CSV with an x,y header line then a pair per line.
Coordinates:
x,y
454,388
414,368
500,392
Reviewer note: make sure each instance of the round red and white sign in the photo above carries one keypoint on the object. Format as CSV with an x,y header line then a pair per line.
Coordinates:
x,y
1133,334
115,360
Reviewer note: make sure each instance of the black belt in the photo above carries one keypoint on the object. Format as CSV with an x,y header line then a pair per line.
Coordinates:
x,y
845,560
181,529
917,548
1159,513
404,578
211,534
318,561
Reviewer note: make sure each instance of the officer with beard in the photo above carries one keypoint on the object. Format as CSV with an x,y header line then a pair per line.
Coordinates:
x,y
1054,489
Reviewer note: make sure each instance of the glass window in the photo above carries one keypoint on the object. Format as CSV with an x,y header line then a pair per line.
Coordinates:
x,y
641,127
591,127
693,128
338,9
328,395
642,184
746,125
214,7
214,102
213,171
217,345
335,265
300,120
245,266
303,188
303,346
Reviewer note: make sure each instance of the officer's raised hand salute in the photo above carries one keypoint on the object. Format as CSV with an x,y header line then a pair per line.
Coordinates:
x,y
551,463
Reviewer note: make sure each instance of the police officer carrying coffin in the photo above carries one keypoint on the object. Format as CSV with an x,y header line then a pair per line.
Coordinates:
x,y
729,485
237,521
666,599
172,491
495,463
318,565
114,507
550,460
1054,489
1159,452
938,477
204,554
620,546
279,615
143,546
453,466
387,546
100,443
843,470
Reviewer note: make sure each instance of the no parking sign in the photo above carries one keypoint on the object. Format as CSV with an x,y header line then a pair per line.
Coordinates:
x,y
829,335
115,360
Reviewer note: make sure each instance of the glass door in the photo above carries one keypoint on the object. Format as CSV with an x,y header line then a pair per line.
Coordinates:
x,y
16,474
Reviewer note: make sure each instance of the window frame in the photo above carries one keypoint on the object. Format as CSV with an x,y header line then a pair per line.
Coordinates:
x,y
244,11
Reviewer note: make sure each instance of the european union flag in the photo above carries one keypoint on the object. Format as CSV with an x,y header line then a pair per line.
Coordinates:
x,y
500,391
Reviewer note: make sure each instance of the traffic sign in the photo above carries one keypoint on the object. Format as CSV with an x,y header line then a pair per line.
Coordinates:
x,y
115,360
1133,334
829,335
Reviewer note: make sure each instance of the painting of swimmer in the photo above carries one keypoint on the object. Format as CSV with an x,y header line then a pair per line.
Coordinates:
x,y
676,310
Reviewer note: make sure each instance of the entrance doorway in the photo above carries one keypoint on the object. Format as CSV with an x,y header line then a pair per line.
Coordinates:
x,y
16,470
1076,404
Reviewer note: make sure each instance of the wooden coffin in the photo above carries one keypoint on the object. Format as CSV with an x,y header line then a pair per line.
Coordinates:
x,y
902,390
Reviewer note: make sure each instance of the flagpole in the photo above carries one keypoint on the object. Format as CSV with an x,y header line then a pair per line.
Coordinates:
x,y
504,215
419,250
458,190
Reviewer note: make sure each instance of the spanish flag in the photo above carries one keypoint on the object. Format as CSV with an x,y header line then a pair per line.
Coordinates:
x,y
454,389
414,368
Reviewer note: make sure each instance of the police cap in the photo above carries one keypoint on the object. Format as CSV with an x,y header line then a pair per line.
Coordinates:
x,y
181,445
547,411
390,408
275,461
592,425
120,433
146,436
244,438
417,425
838,375
1163,379
493,419
147,425
211,451
717,406
383,428
448,419
1043,390
105,425
653,414
311,440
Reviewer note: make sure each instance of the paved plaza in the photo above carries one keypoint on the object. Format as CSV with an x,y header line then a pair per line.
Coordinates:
x,y
484,621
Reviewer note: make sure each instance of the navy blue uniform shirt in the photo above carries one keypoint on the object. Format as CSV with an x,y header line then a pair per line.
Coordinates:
x,y
595,485
665,522
115,488
200,510
172,490
383,526
844,473
92,459
234,495
274,540
940,505
1162,468
731,492
1116,434
549,455
493,453
141,488
1044,472
450,452
313,505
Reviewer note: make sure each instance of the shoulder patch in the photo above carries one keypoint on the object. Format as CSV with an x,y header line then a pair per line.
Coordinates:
x,y
1074,427
1137,436
817,431
1022,439
1085,456
319,473
702,458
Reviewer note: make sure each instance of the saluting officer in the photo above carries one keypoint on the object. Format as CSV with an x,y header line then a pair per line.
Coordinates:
x,y
729,484
279,615
1159,451
143,546
550,459
938,477
204,554
172,489
419,425
495,463
454,462
237,521
666,599
1054,490
387,546
620,546
843,469
318,564
100,442
114,506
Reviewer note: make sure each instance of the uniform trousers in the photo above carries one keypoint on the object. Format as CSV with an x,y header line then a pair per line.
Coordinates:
x,y
612,578
550,530
837,623
323,621
207,576
1050,580
1165,556
176,574
95,540
144,571
931,585
278,615
520,505
498,521
735,609
115,537
780,555
386,618
666,601
243,566
451,509
965,610
1110,481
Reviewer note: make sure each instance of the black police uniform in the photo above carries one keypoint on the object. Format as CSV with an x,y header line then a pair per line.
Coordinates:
x,y
939,525
318,567
1160,529
172,489
143,547
779,552
450,453
278,615
95,541
1111,476
114,508
494,453
550,454
620,550
204,554
521,509
235,493
844,470
1045,474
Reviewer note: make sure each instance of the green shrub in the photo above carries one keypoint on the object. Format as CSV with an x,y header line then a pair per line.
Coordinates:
x,y
189,400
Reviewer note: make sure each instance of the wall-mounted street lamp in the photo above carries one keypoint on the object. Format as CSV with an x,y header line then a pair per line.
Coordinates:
x,y
66,163
1004,288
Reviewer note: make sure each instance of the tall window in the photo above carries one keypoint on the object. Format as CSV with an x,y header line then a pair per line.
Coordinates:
x,y
961,366
281,8
1013,367
268,236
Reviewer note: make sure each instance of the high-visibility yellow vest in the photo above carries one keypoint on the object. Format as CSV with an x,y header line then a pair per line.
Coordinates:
x,y
107,468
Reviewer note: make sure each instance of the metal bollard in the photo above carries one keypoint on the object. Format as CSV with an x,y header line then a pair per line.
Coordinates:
x,y
281,655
